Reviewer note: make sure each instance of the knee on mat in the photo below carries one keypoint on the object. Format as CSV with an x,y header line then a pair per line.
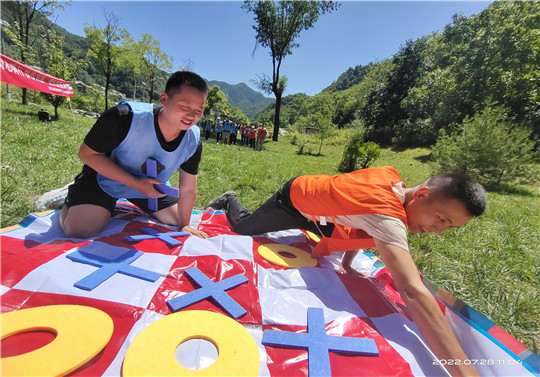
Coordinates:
x,y
74,231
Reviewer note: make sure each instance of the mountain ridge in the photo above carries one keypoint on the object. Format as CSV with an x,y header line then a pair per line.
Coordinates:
x,y
242,96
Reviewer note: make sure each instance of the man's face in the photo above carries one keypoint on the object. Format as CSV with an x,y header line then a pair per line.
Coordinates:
x,y
433,213
184,106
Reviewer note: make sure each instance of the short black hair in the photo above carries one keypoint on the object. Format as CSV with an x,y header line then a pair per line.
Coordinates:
x,y
177,79
461,187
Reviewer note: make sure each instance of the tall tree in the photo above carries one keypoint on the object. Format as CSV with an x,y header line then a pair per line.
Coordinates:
x,y
154,61
277,26
132,58
52,59
214,97
24,13
384,111
104,48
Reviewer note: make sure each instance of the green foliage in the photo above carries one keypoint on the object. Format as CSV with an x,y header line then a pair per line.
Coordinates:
x,y
93,100
383,110
105,50
350,77
369,152
439,79
53,61
358,154
277,26
242,96
228,111
488,148
214,97
350,153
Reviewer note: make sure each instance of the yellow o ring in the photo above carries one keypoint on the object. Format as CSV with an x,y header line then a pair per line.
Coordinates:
x,y
152,353
278,254
81,333
313,236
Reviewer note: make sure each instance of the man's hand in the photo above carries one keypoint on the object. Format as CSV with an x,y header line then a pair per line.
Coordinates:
x,y
146,187
423,308
194,232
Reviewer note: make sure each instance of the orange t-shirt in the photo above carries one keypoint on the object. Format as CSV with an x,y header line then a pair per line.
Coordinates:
x,y
362,192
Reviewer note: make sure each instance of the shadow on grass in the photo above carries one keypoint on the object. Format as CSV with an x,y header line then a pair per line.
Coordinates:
x,y
507,189
20,112
423,159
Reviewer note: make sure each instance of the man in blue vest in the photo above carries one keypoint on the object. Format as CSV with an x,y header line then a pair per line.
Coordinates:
x,y
226,131
115,152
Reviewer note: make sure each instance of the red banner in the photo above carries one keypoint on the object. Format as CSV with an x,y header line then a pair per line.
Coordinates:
x,y
15,73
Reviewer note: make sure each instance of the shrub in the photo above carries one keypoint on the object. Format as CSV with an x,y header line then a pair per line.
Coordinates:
x,y
368,153
357,154
304,144
488,148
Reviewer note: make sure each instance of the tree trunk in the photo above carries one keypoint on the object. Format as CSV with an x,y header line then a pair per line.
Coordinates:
x,y
107,91
151,91
24,96
275,134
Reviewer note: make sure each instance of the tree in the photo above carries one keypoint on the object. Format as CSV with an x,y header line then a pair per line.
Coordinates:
x,y
24,13
230,112
488,148
384,111
278,24
132,58
53,61
154,61
214,97
103,48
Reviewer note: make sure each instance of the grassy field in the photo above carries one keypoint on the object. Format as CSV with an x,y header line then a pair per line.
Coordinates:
x,y
492,263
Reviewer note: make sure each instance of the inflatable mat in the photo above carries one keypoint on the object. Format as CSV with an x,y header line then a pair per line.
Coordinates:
x,y
144,299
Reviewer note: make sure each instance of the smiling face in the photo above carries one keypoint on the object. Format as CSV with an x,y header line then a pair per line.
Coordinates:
x,y
183,107
429,212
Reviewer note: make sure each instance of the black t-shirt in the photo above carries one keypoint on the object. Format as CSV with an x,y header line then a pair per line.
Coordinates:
x,y
113,126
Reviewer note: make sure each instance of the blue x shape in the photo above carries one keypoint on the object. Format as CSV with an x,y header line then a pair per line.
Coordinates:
x,y
165,237
151,171
108,268
319,344
209,289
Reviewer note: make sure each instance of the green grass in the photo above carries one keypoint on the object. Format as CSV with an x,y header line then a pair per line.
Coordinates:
x,y
491,263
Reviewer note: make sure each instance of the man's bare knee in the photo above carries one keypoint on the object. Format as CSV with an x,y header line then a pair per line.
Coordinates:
x,y
168,216
78,232
83,221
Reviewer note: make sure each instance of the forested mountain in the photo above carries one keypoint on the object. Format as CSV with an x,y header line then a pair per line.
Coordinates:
x,y
350,77
242,96
435,82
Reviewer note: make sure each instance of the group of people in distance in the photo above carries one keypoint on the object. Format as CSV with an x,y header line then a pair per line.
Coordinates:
x,y
366,208
227,132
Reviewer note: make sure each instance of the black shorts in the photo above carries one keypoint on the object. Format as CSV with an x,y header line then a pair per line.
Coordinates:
x,y
86,190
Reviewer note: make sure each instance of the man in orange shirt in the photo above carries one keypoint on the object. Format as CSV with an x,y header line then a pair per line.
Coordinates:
x,y
373,208
252,132
261,135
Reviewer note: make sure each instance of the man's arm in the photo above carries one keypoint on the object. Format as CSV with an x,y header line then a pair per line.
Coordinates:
x,y
187,193
423,308
106,167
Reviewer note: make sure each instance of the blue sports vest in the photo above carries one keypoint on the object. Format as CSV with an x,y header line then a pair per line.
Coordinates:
x,y
141,143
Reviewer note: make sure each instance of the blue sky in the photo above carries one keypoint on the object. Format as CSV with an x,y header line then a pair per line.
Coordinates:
x,y
218,39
